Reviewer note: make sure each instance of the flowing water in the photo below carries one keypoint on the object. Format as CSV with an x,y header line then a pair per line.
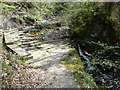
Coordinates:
x,y
107,72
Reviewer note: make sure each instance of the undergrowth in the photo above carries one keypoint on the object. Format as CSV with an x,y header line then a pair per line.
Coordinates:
x,y
10,63
74,63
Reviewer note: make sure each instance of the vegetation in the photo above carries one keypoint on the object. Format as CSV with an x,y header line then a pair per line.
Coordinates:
x,y
94,25
87,18
75,64
10,63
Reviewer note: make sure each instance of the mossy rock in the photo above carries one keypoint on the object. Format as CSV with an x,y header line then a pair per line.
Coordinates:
x,y
48,25
29,20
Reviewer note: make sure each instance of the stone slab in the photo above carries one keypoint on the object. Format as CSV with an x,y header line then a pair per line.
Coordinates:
x,y
20,51
10,38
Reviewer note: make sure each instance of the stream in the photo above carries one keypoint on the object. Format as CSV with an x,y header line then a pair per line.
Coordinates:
x,y
88,67
104,75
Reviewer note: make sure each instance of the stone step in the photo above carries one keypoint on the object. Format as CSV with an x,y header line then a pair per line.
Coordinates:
x,y
30,44
20,51
10,38
22,42
30,38
29,57
29,48
26,28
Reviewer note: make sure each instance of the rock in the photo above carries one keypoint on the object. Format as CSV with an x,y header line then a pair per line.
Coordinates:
x,y
1,32
46,38
91,69
29,20
48,24
18,50
16,20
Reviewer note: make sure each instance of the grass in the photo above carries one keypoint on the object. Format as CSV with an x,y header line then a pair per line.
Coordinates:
x,y
74,63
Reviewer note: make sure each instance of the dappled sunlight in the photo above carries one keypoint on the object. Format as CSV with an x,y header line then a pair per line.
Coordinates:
x,y
60,44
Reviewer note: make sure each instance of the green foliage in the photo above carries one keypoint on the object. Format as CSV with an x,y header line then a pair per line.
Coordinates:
x,y
115,18
86,16
46,9
104,54
33,10
7,9
74,63
10,63
82,15
60,7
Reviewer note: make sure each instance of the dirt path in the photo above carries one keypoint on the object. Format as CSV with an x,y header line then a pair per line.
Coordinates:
x,y
45,70
47,66
43,65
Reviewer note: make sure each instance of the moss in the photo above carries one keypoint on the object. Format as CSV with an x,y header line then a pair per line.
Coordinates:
x,y
7,6
6,9
74,63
